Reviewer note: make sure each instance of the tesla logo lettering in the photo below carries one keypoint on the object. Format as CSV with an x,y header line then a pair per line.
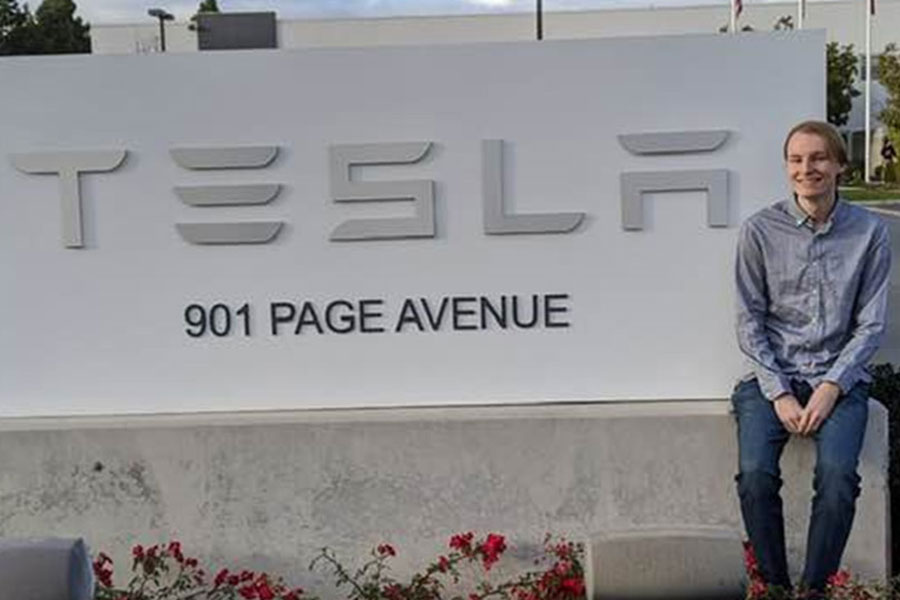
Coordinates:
x,y
419,194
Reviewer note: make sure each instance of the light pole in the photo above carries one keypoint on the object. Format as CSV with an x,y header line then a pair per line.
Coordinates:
x,y
163,16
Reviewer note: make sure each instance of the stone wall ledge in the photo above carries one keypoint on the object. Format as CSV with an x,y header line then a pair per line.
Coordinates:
x,y
266,490
456,412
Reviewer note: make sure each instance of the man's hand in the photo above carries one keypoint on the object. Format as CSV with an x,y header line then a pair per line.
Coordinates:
x,y
789,412
819,407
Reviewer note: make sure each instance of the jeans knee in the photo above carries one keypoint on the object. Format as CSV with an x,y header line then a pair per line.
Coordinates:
x,y
836,484
757,483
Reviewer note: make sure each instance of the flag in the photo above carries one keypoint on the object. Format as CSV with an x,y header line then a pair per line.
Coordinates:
x,y
739,6
872,7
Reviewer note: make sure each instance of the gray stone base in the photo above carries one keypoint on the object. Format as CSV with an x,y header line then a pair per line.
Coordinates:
x,y
267,490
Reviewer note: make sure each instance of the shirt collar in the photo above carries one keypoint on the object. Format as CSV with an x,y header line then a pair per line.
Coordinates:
x,y
801,218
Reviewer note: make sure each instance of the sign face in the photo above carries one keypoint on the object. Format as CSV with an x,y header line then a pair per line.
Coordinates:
x,y
491,223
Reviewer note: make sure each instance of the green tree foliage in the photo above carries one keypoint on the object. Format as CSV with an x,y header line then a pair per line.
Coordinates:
x,y
889,76
843,66
59,30
52,29
16,26
206,6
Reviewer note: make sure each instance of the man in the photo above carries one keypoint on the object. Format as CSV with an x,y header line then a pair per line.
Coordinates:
x,y
812,284
888,152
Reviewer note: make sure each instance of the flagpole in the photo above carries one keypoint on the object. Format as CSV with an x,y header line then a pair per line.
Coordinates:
x,y
733,24
801,12
868,92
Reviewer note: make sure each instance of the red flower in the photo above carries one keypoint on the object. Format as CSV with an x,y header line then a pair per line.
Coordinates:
x,y
462,542
103,575
757,589
839,579
386,550
175,550
491,549
750,561
233,580
562,567
221,576
138,552
263,589
573,586
248,592
246,575
443,564
562,550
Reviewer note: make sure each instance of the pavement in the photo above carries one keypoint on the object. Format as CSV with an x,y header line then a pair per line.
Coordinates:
x,y
890,346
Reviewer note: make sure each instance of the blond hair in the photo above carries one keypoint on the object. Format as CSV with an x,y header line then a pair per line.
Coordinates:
x,y
833,139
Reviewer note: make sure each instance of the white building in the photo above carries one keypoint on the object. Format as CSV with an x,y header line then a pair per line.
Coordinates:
x,y
844,21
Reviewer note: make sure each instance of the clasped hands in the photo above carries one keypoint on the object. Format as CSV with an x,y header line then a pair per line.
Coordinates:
x,y
807,420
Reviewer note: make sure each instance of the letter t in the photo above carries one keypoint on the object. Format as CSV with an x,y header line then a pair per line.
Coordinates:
x,y
68,165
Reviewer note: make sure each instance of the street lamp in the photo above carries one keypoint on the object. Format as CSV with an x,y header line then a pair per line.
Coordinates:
x,y
163,16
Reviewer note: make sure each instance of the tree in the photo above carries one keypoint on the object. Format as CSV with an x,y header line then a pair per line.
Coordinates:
x,y
53,29
842,65
13,24
59,30
206,6
889,76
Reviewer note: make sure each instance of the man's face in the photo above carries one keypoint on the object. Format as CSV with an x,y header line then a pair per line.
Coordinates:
x,y
811,169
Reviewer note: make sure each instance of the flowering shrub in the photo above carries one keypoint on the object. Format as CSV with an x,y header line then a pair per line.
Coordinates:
x,y
841,586
163,572
562,577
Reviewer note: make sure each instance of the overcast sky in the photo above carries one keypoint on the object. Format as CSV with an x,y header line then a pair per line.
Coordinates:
x,y
135,11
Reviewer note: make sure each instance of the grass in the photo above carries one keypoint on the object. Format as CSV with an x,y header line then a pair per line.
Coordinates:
x,y
874,192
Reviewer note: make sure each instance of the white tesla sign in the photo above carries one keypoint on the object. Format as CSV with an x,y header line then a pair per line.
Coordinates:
x,y
488,223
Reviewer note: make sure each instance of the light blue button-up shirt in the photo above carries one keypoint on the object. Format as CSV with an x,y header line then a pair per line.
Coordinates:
x,y
811,303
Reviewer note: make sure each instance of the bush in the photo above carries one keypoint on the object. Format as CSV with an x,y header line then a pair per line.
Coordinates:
x,y
163,572
890,172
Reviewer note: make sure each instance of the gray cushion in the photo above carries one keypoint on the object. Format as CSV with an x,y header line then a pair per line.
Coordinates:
x,y
45,569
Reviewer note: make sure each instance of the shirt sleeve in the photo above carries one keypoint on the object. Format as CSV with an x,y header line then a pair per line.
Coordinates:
x,y
870,313
752,307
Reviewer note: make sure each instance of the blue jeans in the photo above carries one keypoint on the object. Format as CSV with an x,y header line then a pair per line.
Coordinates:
x,y
761,439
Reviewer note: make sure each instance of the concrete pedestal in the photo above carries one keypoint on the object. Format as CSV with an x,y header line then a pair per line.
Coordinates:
x,y
267,490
